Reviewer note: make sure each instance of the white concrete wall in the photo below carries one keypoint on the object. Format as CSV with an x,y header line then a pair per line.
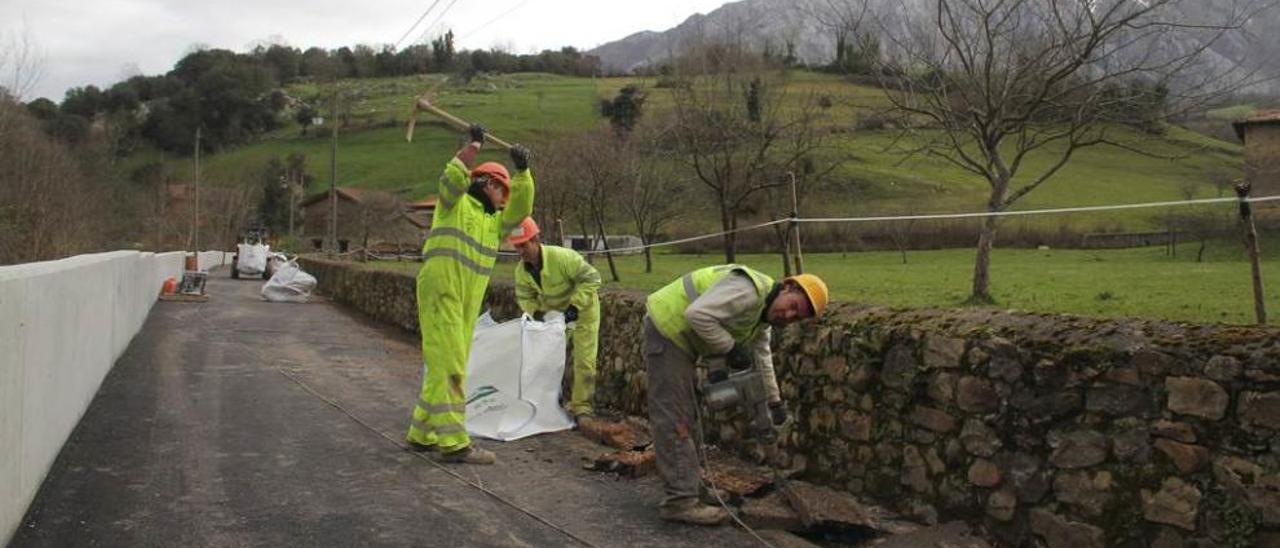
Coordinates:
x,y
206,260
63,324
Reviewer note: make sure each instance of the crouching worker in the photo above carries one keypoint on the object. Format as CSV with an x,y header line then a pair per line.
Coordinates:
x,y
718,313
552,278
475,208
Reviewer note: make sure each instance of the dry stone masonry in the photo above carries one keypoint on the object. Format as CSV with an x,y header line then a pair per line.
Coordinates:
x,y
1048,430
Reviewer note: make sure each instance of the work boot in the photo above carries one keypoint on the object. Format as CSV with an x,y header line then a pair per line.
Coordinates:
x,y
416,447
693,511
469,455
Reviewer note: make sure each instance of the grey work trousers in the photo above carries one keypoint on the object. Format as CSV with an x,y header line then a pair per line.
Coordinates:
x,y
672,401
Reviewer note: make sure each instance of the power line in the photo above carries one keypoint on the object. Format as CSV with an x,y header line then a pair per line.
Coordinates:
x,y
416,23
472,32
444,12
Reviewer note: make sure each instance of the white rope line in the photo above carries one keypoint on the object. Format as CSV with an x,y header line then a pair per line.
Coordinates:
x,y
933,216
983,214
684,240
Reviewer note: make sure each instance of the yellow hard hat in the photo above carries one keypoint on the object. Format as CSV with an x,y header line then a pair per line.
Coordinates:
x,y
814,288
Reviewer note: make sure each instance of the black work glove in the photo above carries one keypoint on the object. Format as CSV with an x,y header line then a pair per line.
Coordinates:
x,y
717,375
738,358
571,314
778,412
520,157
476,133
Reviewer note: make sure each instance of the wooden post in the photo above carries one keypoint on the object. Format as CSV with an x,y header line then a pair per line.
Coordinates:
x,y
798,254
1251,245
333,173
560,234
289,187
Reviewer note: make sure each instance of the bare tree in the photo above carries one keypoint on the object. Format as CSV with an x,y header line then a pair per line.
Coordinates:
x,y
21,63
601,174
902,231
50,207
382,219
653,192
557,186
734,131
994,84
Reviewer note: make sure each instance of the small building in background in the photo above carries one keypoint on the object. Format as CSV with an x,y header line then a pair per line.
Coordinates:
x,y
618,244
1261,136
376,220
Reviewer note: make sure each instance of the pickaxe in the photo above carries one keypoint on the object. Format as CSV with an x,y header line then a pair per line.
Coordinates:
x,y
423,103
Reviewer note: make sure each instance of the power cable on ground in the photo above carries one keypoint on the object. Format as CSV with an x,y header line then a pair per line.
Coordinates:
x,y
711,486
435,464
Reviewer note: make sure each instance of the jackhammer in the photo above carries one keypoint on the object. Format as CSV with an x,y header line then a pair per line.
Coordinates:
x,y
744,389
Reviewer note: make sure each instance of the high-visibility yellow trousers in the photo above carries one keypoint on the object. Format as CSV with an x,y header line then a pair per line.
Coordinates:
x,y
446,324
586,342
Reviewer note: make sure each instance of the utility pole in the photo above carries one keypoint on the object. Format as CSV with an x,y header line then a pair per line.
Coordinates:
x,y
195,220
333,173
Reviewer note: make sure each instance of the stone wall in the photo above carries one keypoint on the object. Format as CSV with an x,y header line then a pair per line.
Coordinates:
x,y
1059,430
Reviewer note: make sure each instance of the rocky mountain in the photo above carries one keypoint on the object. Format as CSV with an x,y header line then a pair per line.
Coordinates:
x,y
809,28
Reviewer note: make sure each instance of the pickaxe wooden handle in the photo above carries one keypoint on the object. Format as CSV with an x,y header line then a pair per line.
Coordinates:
x,y
424,104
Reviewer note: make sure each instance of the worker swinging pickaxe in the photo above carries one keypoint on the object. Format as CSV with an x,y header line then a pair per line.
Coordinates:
x,y
424,103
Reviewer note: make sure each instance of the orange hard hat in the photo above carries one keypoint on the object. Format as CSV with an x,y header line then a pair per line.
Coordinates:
x,y
495,171
527,230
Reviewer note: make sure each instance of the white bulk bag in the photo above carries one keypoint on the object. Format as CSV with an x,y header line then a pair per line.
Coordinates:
x,y
289,284
252,259
514,378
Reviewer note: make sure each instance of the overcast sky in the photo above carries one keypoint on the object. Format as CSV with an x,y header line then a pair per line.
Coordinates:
x,y
102,41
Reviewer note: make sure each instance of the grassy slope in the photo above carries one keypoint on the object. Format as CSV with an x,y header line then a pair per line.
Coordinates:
x,y
871,178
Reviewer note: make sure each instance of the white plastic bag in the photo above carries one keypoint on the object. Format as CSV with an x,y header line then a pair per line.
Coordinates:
x,y
289,285
514,378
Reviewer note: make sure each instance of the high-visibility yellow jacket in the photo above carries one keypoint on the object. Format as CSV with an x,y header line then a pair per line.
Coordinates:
x,y
667,306
566,279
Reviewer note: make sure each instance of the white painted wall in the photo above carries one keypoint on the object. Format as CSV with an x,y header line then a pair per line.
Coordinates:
x,y
206,260
63,324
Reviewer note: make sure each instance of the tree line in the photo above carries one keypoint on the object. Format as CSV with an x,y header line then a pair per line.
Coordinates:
x,y
235,97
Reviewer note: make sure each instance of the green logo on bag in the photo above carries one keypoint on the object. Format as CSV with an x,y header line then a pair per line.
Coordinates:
x,y
482,392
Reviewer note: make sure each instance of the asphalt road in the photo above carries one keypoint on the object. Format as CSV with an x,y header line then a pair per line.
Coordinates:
x,y
201,436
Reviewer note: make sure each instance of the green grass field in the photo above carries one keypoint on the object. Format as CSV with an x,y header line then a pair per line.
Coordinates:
x,y
1110,284
871,178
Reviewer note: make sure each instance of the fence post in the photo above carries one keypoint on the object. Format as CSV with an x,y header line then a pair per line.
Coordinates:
x,y
798,256
1251,245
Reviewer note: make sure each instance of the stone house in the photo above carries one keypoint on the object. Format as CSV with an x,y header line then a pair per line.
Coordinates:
x,y
368,219
1261,136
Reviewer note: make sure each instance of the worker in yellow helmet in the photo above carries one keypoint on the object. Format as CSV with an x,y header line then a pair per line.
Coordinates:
x,y
723,314
552,278
475,208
